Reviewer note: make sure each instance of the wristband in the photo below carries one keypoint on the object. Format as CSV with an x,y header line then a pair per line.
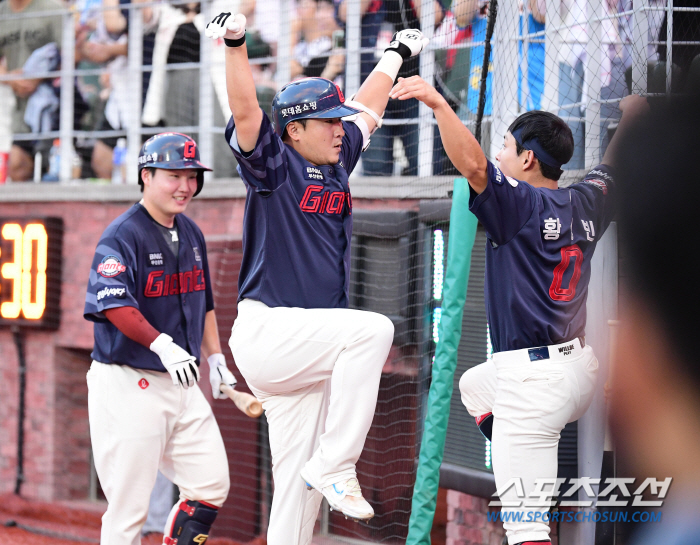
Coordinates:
x,y
390,63
238,42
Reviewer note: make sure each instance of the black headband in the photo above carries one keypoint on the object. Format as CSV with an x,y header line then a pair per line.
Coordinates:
x,y
534,145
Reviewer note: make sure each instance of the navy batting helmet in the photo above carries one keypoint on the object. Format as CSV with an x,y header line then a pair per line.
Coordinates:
x,y
172,151
308,98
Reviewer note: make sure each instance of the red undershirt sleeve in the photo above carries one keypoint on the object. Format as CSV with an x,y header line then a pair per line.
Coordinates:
x,y
133,324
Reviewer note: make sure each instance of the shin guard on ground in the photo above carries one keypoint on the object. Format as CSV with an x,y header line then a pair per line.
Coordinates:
x,y
485,423
189,523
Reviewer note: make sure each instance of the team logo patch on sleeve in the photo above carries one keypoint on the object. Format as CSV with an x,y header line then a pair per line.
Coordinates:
x,y
110,266
313,173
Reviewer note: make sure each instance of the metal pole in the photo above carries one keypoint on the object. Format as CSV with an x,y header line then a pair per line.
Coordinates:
x,y
552,46
592,75
18,337
427,72
504,89
284,45
353,44
669,46
640,41
206,98
133,116
525,91
67,89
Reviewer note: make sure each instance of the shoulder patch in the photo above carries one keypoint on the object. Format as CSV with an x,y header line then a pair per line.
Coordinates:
x,y
110,266
600,184
108,293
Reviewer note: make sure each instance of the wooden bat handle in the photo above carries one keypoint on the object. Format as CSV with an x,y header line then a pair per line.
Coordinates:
x,y
245,402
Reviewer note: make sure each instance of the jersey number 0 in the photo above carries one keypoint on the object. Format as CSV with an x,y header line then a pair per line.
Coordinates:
x,y
556,291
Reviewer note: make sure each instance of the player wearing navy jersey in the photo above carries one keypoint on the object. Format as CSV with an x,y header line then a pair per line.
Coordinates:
x,y
314,364
151,302
540,241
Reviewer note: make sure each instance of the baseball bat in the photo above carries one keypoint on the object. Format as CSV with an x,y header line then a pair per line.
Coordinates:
x,y
245,402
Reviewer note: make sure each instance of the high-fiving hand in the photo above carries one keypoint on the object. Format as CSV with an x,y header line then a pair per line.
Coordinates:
x,y
408,43
225,25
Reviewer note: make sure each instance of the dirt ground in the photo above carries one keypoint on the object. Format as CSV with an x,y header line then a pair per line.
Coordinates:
x,y
24,522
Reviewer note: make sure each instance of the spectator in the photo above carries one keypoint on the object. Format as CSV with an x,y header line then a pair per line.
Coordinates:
x,y
530,97
312,34
109,45
18,39
573,93
182,86
379,158
686,29
453,64
372,15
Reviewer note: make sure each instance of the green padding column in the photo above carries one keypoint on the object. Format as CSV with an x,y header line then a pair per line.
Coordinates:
x,y
459,254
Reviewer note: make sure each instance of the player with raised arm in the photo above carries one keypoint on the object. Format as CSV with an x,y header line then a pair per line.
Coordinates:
x,y
151,300
314,363
540,241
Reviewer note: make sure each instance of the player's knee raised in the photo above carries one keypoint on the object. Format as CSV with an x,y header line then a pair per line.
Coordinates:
x,y
466,384
383,328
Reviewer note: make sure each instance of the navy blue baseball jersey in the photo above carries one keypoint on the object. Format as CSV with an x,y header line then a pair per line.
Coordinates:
x,y
298,222
538,255
134,267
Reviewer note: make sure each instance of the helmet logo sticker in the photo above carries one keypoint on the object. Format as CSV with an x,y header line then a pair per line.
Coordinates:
x,y
189,150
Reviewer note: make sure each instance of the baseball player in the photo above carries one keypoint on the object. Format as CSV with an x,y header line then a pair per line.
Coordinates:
x,y
314,364
540,241
150,298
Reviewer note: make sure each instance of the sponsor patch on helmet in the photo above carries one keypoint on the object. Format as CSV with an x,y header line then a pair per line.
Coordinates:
x,y
108,293
110,266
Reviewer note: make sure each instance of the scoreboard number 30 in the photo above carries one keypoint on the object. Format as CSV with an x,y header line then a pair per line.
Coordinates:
x,y
30,272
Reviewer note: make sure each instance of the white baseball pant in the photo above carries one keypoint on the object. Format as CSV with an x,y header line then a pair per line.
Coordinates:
x,y
317,373
531,402
140,427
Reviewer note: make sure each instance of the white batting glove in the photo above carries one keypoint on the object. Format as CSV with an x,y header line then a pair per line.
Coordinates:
x,y
226,26
408,43
176,360
219,374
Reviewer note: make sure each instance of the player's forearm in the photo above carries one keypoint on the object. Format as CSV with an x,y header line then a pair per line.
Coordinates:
x,y
374,93
211,344
632,107
242,97
461,147
133,324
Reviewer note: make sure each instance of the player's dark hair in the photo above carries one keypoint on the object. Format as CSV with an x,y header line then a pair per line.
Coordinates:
x,y
553,134
285,136
152,170
659,192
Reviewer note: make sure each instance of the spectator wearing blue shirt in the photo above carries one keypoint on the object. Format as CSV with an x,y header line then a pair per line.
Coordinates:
x,y
531,97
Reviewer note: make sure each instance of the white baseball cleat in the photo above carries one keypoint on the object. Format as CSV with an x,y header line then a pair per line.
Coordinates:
x,y
346,497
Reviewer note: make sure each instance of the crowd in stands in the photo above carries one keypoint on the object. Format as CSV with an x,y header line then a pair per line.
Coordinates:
x,y
171,78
